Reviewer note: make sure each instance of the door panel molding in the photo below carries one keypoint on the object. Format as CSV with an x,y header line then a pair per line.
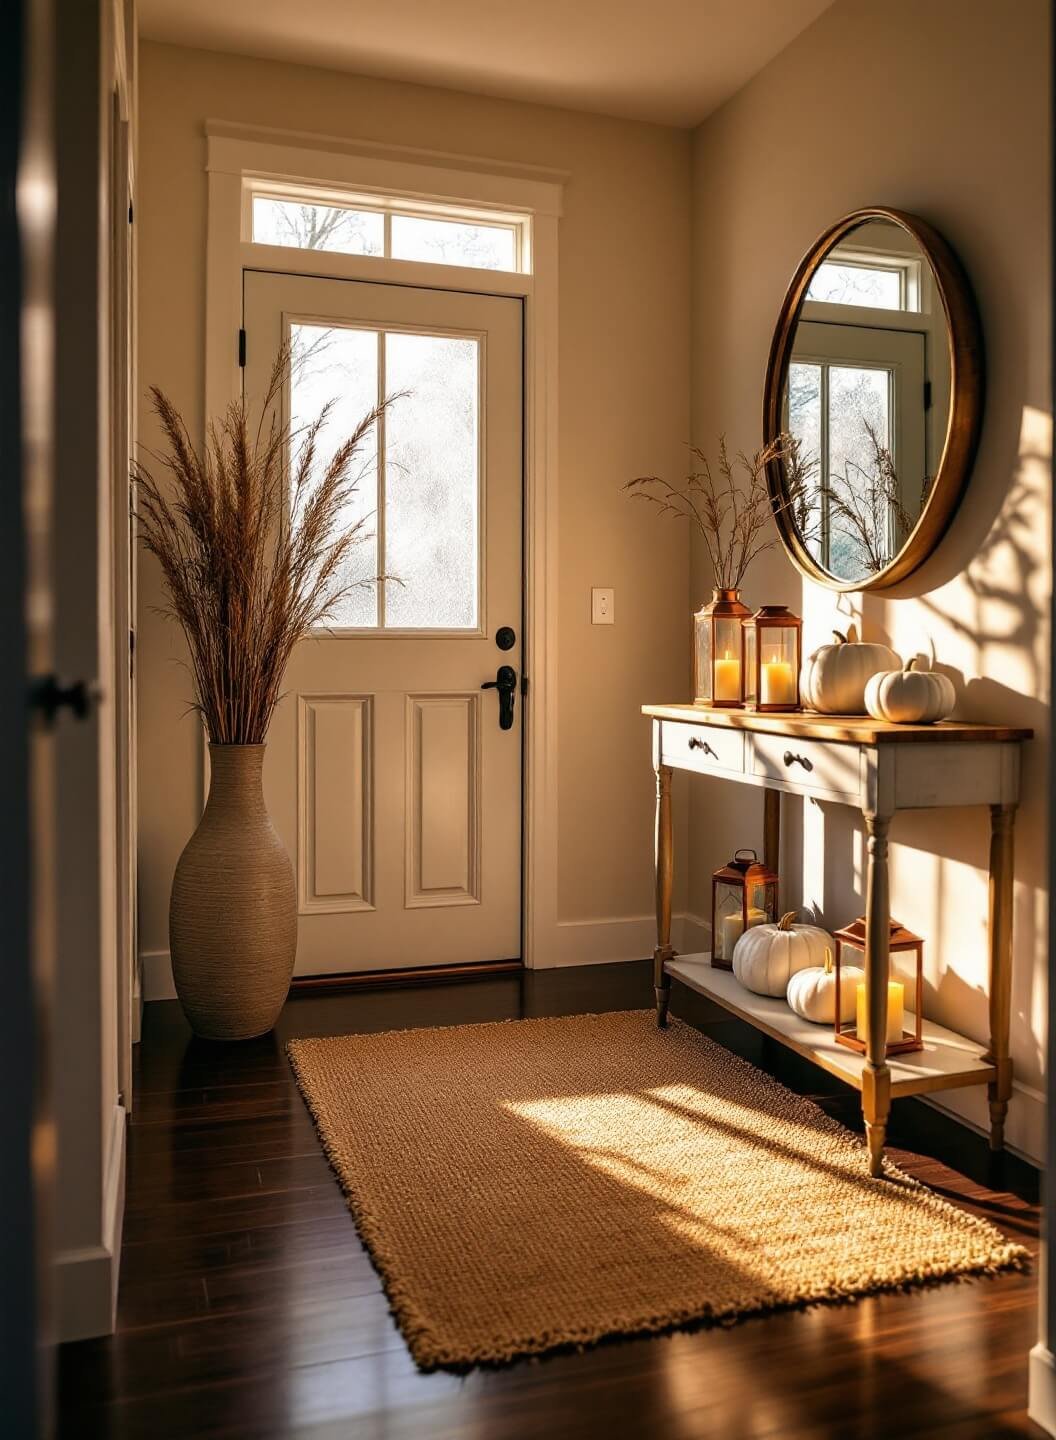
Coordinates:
x,y
443,799
332,848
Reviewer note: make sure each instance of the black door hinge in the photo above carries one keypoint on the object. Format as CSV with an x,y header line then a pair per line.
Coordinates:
x,y
130,214
927,394
242,349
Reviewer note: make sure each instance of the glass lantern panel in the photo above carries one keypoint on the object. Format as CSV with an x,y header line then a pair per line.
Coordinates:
x,y
750,686
702,675
778,671
729,917
764,900
727,662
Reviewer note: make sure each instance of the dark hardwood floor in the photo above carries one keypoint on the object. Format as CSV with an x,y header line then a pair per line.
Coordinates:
x,y
249,1308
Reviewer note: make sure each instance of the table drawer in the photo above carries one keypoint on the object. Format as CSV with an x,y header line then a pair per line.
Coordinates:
x,y
701,748
815,767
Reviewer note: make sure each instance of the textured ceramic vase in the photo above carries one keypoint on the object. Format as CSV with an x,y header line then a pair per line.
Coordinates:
x,y
233,914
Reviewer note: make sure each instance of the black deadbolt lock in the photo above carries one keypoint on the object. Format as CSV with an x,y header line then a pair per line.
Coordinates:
x,y
505,638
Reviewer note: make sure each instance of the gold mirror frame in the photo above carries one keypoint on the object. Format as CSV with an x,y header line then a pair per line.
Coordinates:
x,y
964,420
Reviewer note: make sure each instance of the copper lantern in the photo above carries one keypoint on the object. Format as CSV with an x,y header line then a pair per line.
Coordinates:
x,y
743,894
900,942
718,651
773,640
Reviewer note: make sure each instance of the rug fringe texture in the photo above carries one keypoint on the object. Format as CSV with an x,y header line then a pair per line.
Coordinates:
x,y
534,1186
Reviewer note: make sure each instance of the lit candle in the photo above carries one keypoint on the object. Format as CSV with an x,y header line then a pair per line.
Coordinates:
x,y
896,999
778,685
733,929
727,678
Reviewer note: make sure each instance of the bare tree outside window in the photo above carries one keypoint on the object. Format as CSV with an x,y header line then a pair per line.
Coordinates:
x,y
317,227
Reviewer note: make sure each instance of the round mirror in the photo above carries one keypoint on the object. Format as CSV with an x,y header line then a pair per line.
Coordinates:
x,y
875,380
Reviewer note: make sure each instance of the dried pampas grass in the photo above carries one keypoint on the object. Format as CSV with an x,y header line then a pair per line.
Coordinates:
x,y
247,535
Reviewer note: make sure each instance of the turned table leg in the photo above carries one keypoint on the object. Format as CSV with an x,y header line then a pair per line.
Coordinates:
x,y
664,850
772,834
1002,838
876,1078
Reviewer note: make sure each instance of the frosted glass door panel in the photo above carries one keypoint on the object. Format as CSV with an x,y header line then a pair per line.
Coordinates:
x,y
859,409
859,402
340,367
432,483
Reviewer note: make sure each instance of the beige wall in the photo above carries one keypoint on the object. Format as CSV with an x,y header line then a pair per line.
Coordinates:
x,y
624,408
940,109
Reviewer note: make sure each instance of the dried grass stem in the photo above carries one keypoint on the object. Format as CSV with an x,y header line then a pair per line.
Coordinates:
x,y
248,533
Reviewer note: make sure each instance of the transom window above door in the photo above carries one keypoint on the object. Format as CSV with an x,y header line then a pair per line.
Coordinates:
x,y
417,498
304,218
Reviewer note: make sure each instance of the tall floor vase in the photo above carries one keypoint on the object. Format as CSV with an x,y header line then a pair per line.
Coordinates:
x,y
233,913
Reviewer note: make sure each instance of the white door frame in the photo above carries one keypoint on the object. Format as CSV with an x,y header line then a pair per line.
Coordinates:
x,y
236,153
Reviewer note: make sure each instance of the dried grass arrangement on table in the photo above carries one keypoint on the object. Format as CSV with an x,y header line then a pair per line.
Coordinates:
x,y
730,503
250,534
248,539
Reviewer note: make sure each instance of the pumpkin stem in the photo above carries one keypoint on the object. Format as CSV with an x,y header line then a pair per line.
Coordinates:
x,y
841,638
828,961
787,920
911,663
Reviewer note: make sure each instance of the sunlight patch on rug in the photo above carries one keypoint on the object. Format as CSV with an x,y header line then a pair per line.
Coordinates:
x,y
531,1185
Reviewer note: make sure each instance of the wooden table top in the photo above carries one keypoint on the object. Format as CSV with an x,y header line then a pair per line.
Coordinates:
x,y
856,729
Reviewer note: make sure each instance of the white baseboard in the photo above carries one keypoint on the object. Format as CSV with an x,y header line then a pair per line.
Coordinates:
x,y
1024,1127
1041,1406
86,1277
577,942
156,969
632,937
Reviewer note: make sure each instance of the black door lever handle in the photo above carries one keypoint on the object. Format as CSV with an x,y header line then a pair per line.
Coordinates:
x,y
505,683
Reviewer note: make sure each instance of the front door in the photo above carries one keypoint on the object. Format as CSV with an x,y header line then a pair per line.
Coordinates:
x,y
392,776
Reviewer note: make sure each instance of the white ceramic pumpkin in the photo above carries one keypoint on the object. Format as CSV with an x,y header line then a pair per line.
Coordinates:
x,y
767,956
835,676
909,696
812,993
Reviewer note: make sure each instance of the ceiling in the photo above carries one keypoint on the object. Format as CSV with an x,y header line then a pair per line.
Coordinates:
x,y
669,61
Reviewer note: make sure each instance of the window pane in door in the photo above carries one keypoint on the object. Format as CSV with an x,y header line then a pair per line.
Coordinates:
x,y
859,513
432,482
446,242
340,365
317,227
804,422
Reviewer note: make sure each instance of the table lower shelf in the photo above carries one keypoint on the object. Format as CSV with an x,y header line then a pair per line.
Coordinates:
x,y
948,1061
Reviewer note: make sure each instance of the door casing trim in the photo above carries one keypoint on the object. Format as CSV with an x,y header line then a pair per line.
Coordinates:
x,y
235,152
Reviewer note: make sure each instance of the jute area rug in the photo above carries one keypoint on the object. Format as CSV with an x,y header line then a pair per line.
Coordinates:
x,y
533,1185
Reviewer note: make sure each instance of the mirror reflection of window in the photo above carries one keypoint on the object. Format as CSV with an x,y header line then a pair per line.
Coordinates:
x,y
842,416
846,283
858,396
875,372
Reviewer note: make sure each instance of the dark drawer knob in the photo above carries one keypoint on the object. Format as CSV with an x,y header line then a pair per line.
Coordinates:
x,y
696,743
791,760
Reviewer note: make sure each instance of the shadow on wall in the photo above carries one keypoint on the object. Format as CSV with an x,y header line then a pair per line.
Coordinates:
x,y
985,625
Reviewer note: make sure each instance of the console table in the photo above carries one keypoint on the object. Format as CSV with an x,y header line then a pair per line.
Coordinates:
x,y
878,768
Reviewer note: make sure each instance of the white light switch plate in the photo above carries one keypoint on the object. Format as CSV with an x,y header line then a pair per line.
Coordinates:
x,y
602,606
